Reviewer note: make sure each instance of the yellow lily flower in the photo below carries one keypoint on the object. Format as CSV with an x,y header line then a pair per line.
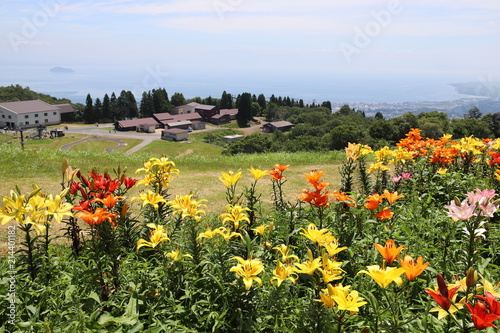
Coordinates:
x,y
56,208
209,233
235,214
331,244
309,266
282,273
230,179
330,269
349,301
185,206
313,234
285,252
14,207
377,166
352,151
248,270
157,172
156,237
228,234
488,287
175,255
384,277
261,229
257,173
150,198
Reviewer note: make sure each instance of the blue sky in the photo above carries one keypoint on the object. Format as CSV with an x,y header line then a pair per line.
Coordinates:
x,y
449,40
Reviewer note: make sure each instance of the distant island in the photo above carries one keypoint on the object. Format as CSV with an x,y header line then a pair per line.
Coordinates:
x,y
61,70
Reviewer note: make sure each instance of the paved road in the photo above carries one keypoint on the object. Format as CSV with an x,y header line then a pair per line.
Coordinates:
x,y
107,132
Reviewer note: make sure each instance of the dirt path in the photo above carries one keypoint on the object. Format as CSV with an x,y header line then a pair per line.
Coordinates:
x,y
187,152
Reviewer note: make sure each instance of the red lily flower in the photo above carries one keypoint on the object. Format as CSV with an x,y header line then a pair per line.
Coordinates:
x,y
493,304
481,317
84,205
129,182
443,296
74,187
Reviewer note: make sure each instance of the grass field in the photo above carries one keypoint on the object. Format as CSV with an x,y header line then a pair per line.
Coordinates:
x,y
200,164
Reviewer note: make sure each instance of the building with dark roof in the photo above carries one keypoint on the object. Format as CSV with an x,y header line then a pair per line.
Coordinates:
x,y
283,126
67,112
27,114
147,125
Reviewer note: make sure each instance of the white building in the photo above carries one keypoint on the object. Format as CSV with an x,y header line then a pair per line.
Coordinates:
x,y
28,114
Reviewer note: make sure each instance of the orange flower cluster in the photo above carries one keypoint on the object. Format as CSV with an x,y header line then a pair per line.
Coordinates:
x,y
373,202
390,252
414,142
276,172
99,197
318,197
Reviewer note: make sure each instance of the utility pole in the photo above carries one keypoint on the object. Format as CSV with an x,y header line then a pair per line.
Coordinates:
x,y
22,139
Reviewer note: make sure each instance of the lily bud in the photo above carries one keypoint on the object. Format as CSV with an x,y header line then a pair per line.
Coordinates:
x,y
443,288
65,165
471,277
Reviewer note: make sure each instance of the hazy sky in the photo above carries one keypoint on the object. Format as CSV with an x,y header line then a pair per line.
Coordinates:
x,y
450,39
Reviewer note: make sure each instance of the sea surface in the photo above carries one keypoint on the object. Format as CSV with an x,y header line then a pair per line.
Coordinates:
x,y
100,80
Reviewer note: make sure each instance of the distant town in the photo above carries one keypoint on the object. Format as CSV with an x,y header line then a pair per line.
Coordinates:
x,y
454,109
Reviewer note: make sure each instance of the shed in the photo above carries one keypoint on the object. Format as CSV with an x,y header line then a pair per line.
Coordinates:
x,y
283,126
232,138
175,134
56,133
182,124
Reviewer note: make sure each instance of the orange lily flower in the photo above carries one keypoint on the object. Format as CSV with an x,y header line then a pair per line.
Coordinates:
x,y
389,251
391,197
413,268
373,201
281,167
384,214
110,200
100,215
342,196
314,176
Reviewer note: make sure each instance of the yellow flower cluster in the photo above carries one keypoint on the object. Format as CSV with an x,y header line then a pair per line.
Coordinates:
x,y
158,172
186,206
36,208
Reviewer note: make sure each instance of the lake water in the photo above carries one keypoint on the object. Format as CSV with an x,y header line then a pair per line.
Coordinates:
x,y
107,79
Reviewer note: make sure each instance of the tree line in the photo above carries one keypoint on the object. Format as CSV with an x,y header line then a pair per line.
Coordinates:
x,y
320,129
125,106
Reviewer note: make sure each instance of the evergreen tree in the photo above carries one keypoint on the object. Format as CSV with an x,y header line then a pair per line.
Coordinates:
x,y
473,113
327,104
262,101
147,105
132,109
88,112
97,110
113,102
177,99
244,109
160,101
106,109
226,101
301,103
